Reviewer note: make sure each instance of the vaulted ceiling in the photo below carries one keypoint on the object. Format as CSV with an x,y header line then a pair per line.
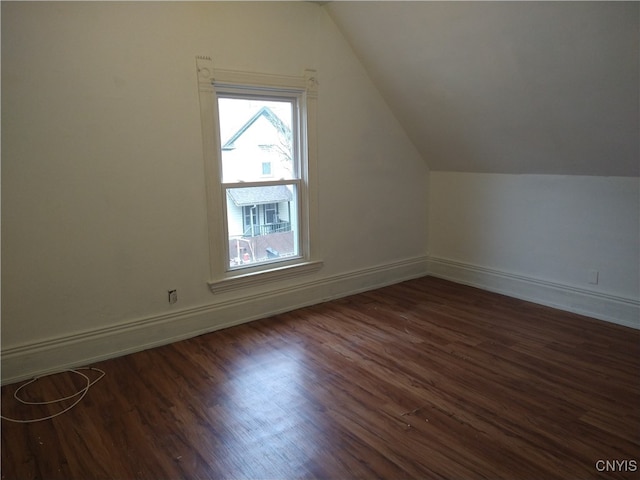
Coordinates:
x,y
507,87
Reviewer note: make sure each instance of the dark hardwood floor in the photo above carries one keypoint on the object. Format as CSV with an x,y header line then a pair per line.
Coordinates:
x,y
424,379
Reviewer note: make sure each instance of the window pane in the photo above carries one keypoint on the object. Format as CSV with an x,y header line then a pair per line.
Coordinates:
x,y
257,139
262,224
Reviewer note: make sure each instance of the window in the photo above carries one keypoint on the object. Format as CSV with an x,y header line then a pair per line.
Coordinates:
x,y
260,127
259,151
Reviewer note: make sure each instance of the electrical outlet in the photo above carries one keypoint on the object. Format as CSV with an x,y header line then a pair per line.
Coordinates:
x,y
593,277
173,296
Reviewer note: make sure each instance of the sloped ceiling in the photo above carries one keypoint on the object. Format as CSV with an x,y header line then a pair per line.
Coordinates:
x,y
507,87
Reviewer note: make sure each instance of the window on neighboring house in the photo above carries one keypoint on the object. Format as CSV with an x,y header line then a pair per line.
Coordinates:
x,y
260,178
266,169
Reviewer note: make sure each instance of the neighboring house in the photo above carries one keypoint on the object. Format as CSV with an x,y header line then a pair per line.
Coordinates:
x,y
259,217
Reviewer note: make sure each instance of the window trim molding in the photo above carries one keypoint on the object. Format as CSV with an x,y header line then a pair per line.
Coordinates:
x,y
281,272
221,278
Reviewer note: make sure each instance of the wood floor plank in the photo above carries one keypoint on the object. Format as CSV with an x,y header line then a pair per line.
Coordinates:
x,y
423,379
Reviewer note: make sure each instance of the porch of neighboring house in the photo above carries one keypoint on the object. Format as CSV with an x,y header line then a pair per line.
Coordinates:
x,y
259,221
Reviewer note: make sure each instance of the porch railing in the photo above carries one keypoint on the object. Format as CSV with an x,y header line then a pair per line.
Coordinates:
x,y
267,229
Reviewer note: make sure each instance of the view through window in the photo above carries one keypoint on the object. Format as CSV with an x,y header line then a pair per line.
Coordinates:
x,y
260,169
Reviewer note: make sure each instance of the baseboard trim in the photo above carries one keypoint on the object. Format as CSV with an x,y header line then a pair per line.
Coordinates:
x,y
84,348
603,306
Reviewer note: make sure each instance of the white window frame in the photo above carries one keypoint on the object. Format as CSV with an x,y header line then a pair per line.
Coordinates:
x,y
222,277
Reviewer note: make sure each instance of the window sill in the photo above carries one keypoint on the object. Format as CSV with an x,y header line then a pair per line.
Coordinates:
x,y
263,277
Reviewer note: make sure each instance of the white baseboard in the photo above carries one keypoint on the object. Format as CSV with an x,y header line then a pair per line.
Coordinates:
x,y
611,308
38,358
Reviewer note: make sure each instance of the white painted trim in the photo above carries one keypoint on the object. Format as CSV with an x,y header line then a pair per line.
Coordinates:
x,y
261,277
221,76
83,348
603,306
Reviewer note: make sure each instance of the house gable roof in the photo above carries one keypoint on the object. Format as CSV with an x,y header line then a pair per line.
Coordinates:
x,y
265,112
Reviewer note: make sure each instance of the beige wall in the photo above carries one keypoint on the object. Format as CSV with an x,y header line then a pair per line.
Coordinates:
x,y
541,237
103,195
